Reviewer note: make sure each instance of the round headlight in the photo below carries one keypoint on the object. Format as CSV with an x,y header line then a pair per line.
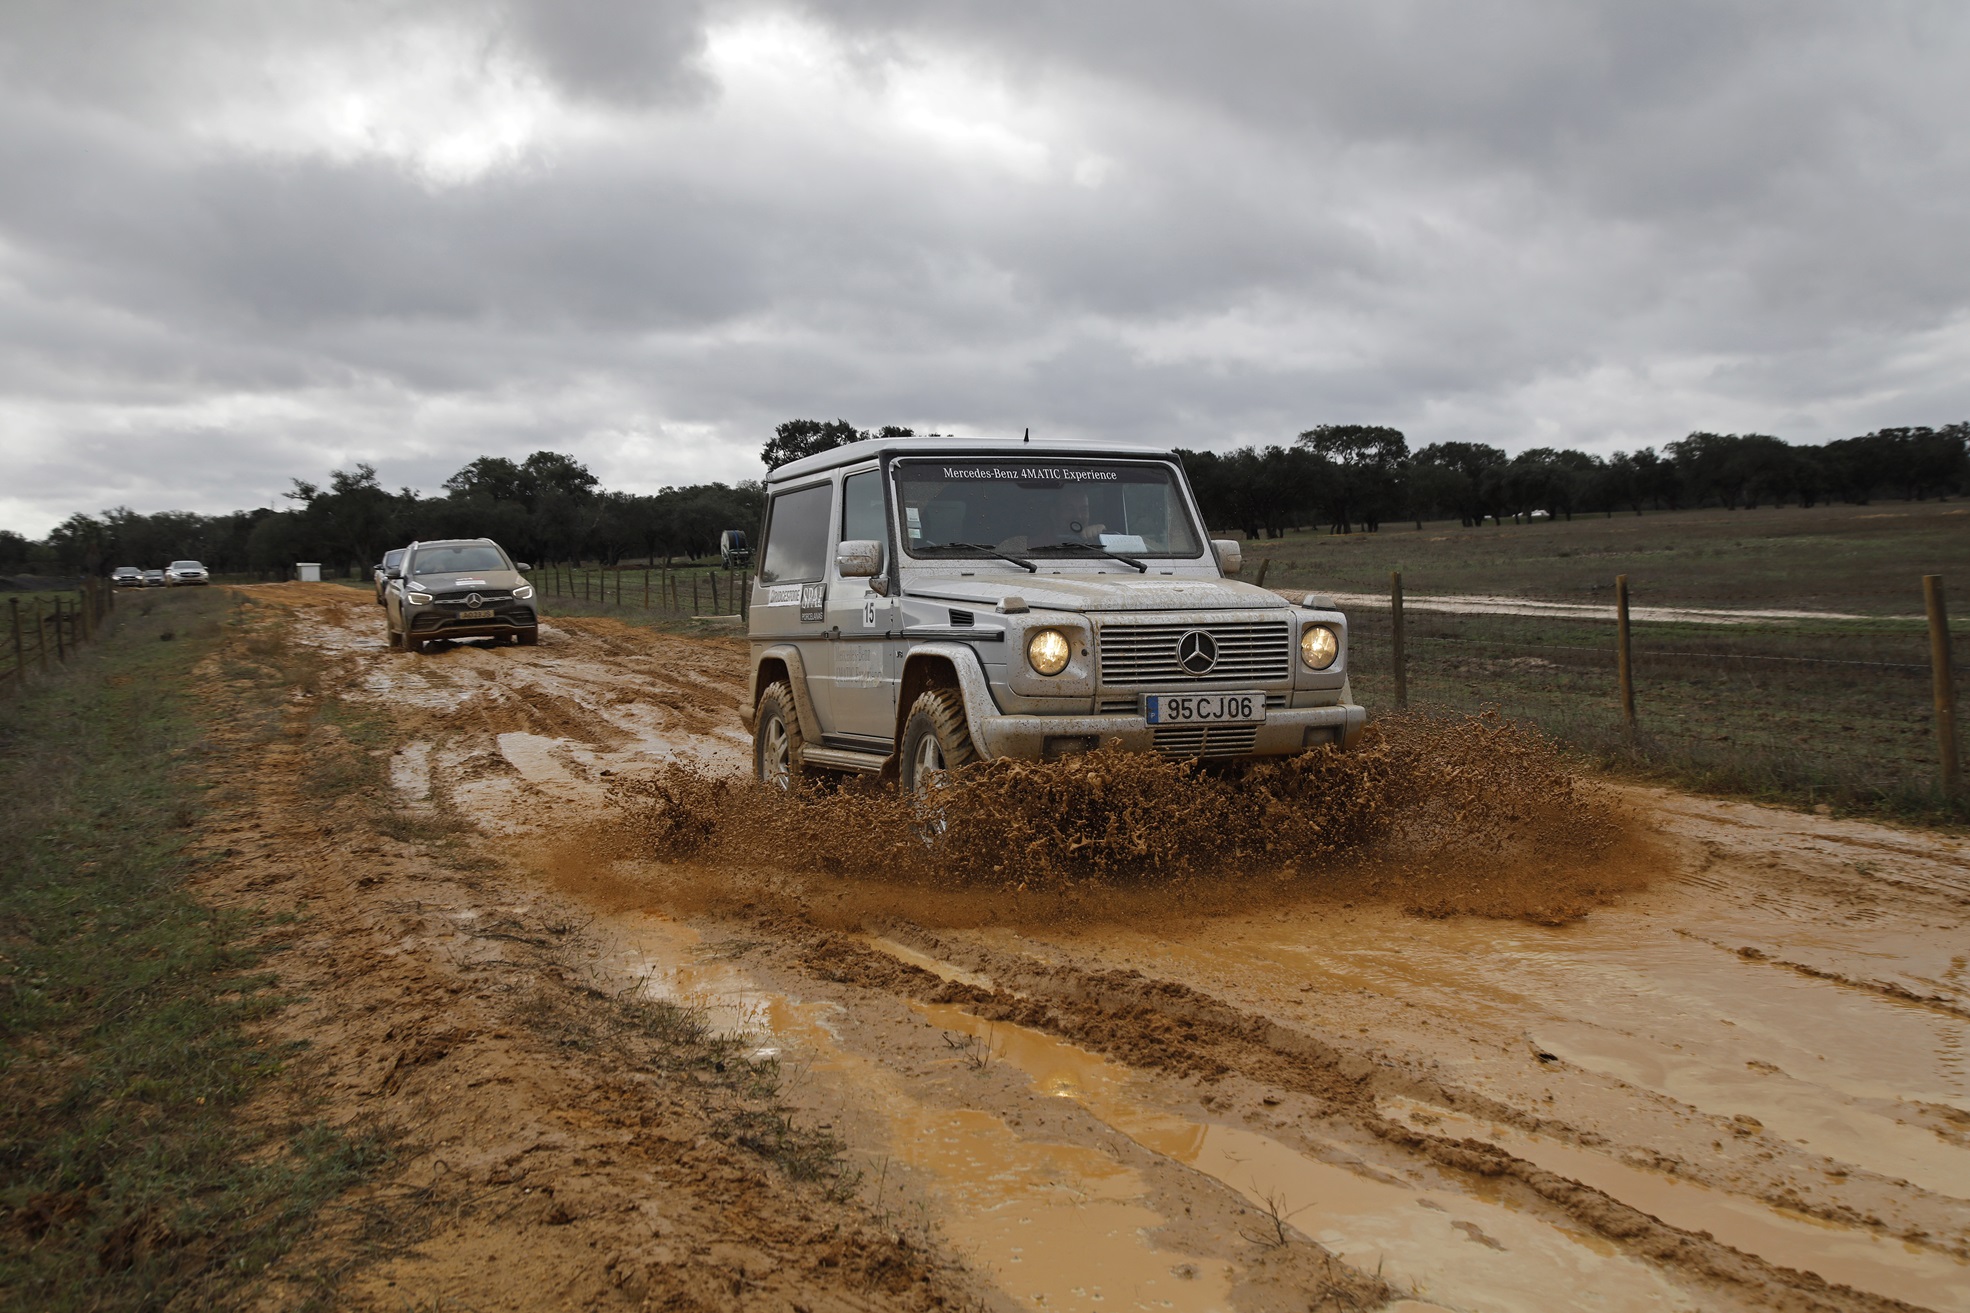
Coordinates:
x,y
1047,651
1319,647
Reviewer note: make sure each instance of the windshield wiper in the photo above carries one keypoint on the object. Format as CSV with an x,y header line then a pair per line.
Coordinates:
x,y
1113,556
984,551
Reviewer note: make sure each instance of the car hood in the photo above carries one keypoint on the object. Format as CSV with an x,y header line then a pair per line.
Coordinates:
x,y
1102,592
490,581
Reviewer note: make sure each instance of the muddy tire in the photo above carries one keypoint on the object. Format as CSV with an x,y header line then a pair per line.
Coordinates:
x,y
776,741
527,638
935,739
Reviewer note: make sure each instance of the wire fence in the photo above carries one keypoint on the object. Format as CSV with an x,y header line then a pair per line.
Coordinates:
x,y
46,629
683,590
1851,714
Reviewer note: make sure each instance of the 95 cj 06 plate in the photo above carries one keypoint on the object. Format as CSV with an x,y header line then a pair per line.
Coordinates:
x,y
1203,708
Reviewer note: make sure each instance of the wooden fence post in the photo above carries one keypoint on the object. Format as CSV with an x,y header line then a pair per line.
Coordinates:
x,y
1399,657
1264,565
712,579
619,585
61,647
40,636
20,652
1623,655
696,607
1940,678
646,585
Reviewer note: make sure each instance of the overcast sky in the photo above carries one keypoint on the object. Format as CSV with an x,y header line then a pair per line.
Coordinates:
x,y
242,243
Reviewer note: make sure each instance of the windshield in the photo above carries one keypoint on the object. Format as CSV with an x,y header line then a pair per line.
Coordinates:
x,y
1043,509
186,565
458,560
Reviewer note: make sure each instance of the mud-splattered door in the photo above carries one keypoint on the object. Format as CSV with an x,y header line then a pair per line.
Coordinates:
x,y
861,621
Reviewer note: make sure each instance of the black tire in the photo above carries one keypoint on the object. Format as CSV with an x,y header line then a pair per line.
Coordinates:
x,y
776,741
528,638
936,738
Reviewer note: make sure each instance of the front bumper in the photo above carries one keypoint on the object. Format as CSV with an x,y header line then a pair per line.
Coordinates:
x,y
438,624
1284,732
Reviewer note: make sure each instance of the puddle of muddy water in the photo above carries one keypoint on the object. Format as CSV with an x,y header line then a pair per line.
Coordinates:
x,y
1847,1255
1624,995
1463,1251
1056,1226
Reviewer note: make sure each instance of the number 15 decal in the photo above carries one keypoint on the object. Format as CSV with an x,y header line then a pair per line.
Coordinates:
x,y
869,614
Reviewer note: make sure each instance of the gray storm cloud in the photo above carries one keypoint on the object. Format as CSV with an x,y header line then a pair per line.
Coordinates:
x,y
241,244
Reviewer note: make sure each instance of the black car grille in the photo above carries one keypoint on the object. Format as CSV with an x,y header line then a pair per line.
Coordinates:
x,y
1206,740
1248,652
459,599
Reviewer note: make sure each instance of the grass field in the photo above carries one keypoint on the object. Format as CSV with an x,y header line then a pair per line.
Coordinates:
x,y
131,1175
1865,560
1810,712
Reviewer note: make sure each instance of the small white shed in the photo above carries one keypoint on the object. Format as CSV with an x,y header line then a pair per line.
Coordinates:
x,y
310,571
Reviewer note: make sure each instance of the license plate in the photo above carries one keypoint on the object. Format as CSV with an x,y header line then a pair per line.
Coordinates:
x,y
475,615
1203,708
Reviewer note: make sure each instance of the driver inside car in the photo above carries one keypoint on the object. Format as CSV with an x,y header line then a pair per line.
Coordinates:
x,y
1071,521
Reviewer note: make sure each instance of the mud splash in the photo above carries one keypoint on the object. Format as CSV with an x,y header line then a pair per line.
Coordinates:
x,y
1448,814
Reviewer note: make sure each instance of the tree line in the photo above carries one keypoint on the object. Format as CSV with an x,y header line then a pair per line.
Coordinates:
x,y
1357,477
1344,477
546,508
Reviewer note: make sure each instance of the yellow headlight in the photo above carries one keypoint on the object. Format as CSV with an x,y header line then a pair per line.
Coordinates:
x,y
1047,650
1319,647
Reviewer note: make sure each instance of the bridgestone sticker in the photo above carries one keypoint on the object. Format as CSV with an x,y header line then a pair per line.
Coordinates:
x,y
783,595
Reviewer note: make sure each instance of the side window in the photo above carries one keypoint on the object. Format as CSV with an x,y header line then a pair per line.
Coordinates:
x,y
861,508
797,536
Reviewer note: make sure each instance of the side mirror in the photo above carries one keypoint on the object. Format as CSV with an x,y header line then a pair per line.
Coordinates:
x,y
522,566
1231,554
858,558
394,572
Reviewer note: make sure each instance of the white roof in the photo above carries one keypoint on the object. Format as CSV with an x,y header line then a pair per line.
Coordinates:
x,y
870,448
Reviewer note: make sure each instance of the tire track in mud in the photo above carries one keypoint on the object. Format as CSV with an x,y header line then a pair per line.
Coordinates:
x,y
595,683
1166,1026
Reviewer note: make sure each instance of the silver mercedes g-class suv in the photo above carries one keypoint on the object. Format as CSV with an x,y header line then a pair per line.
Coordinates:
x,y
923,603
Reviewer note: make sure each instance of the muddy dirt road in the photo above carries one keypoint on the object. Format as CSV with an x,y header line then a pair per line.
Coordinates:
x,y
1743,1085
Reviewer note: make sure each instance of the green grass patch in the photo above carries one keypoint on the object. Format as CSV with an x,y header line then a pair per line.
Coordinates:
x,y
1865,560
129,1176
1806,714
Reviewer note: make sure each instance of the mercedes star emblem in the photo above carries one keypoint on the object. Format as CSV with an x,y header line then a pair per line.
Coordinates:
x,y
473,599
1197,652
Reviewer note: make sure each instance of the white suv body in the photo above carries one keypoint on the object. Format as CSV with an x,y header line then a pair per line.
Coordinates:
x,y
924,602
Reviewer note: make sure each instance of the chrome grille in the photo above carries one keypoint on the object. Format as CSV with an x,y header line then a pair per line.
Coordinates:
x,y
1206,740
1249,652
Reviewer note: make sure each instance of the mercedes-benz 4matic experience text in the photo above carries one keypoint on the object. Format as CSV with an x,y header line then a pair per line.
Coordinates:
x,y
921,604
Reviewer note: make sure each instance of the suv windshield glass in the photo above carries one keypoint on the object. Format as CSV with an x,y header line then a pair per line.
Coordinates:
x,y
1043,508
186,565
457,560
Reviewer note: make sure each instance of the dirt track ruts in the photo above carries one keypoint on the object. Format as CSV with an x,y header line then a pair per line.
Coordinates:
x,y
1745,1083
